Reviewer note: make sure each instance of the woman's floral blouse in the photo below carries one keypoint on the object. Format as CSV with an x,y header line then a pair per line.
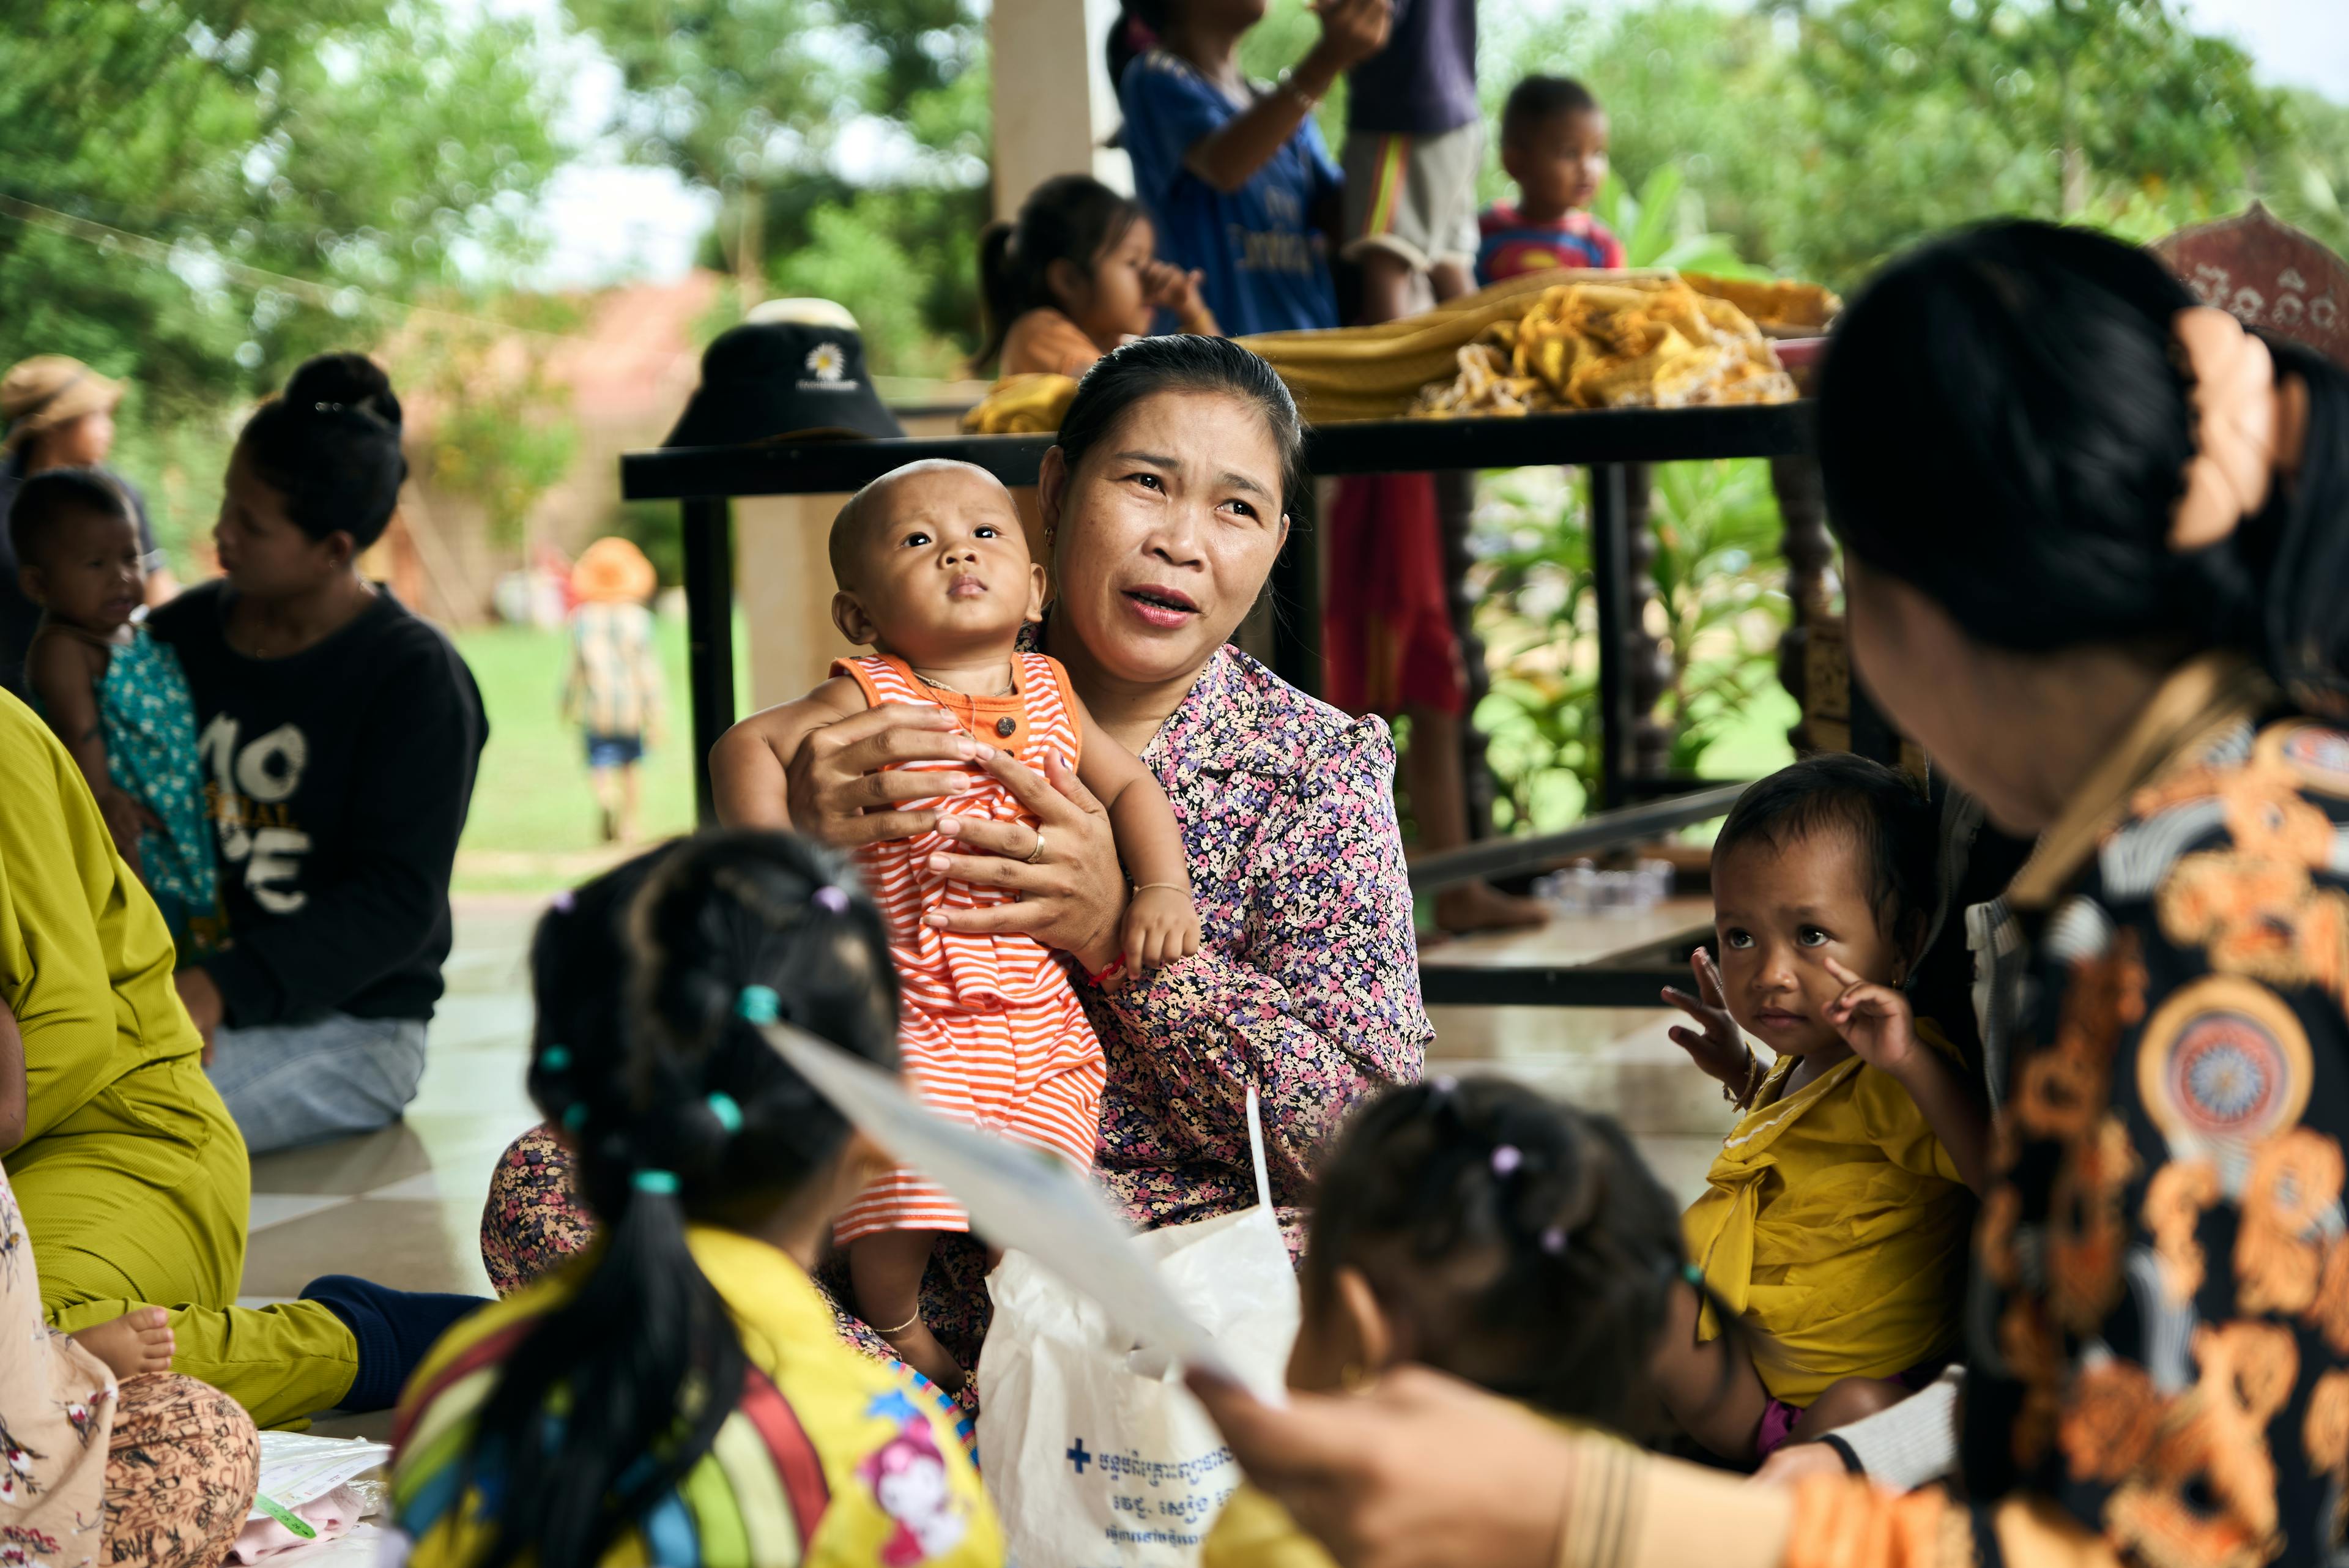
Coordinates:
x,y
2160,1334
1306,984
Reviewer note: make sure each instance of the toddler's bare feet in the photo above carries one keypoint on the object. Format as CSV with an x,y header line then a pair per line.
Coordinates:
x,y
918,1348
134,1344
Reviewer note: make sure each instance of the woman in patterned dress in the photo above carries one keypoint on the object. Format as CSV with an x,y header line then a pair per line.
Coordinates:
x,y
1173,490
2098,558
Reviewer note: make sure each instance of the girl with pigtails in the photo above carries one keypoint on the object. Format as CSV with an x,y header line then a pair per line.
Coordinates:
x,y
679,1394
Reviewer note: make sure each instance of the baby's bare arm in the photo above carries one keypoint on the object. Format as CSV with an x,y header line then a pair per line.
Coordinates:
x,y
1149,840
61,670
746,765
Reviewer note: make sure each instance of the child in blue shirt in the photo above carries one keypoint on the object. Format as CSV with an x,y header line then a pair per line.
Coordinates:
x,y
1554,145
1236,175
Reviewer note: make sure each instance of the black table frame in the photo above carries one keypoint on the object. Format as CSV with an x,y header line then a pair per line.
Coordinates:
x,y
704,480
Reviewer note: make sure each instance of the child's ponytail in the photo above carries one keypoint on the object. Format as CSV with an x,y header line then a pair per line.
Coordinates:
x,y
650,984
1003,292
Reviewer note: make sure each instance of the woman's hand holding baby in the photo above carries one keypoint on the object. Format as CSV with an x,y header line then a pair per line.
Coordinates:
x,y
1161,927
1072,894
126,817
1718,1044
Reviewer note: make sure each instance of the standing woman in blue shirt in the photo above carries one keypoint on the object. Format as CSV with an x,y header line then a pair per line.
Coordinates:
x,y
1236,175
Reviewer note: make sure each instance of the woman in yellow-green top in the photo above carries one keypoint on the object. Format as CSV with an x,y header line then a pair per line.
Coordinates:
x,y
133,1181
570,1423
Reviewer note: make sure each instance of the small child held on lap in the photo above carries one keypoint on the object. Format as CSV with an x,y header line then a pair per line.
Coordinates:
x,y
1481,1229
113,694
1554,145
1076,275
1838,1215
934,575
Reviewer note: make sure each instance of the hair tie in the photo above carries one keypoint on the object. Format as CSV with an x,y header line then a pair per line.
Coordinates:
x,y
561,903
1507,1159
553,1059
758,1004
2235,405
661,1181
574,1115
330,408
831,898
729,1113
1552,1241
1442,1084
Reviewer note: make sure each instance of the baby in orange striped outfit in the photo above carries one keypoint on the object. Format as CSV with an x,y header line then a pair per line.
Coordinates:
x,y
934,575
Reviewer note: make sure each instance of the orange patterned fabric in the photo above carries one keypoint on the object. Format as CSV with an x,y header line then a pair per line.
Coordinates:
x,y
2166,1255
992,1034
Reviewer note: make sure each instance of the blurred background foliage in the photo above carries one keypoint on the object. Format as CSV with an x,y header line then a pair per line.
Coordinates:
x,y
194,194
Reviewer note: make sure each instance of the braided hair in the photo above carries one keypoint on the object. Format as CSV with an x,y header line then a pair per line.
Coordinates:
x,y
1524,1243
649,982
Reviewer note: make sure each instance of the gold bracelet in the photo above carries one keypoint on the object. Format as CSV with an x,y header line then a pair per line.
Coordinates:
x,y
1175,887
885,1332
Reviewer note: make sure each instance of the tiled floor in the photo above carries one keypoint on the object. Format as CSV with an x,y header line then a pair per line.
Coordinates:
x,y
404,1205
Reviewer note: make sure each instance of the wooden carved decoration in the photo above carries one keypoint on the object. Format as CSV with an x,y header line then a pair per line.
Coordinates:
x,y
2268,275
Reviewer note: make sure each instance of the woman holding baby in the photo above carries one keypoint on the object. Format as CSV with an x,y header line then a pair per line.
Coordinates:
x,y
1173,488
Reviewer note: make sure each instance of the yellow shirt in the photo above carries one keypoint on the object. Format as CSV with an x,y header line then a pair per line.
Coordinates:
x,y
1836,1222
829,1461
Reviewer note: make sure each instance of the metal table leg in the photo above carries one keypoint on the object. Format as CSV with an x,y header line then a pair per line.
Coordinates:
x,y
1610,574
709,633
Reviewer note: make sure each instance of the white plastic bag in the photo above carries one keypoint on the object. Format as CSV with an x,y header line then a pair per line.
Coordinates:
x,y
1093,1450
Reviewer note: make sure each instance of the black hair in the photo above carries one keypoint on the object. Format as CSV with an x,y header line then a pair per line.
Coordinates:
x,y
2004,423
46,499
1139,25
1180,363
642,1053
1528,1244
1538,98
329,444
1886,815
1073,218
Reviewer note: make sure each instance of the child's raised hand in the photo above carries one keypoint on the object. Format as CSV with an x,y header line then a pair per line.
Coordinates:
x,y
1161,927
1354,30
1718,1046
1169,287
1876,1021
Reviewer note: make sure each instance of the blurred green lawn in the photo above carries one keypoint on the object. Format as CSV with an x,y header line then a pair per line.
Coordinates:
x,y
533,823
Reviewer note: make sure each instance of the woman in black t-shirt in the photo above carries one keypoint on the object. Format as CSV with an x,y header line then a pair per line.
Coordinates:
x,y
339,735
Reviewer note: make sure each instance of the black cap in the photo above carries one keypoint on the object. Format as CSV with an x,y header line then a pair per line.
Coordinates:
x,y
773,381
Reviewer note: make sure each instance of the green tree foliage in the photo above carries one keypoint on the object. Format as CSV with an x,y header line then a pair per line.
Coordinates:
x,y
750,98
1823,136
194,194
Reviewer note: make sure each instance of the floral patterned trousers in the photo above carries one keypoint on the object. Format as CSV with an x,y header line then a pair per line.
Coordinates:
x,y
180,1474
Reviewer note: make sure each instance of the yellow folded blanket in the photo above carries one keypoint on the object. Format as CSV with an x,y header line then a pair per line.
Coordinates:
x,y
1564,337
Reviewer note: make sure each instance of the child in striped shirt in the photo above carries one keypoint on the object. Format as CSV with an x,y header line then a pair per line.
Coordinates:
x,y
934,575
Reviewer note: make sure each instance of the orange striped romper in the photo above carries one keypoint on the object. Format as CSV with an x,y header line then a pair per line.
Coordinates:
x,y
990,1031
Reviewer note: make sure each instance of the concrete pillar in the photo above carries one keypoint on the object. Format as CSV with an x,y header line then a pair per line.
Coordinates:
x,y
1039,50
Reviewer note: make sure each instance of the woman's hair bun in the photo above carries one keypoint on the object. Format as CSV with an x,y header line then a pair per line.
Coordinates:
x,y
341,382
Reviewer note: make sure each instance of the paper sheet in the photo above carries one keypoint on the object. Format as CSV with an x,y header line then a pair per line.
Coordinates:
x,y
1017,1197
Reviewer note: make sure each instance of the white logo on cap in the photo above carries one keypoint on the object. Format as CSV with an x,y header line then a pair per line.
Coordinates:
x,y
825,362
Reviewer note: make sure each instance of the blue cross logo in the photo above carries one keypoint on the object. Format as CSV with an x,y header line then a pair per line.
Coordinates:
x,y
1078,1458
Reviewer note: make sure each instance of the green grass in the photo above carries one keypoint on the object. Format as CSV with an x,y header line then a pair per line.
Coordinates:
x,y
533,822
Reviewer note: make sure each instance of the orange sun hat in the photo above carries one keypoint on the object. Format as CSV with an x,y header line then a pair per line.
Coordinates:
x,y
612,570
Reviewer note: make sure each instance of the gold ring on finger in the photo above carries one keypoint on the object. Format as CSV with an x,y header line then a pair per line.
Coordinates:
x,y
1037,853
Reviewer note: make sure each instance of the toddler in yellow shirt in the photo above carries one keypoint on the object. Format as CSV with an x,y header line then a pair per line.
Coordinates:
x,y
1834,1222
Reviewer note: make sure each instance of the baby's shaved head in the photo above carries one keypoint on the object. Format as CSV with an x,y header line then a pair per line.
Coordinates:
x,y
852,525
